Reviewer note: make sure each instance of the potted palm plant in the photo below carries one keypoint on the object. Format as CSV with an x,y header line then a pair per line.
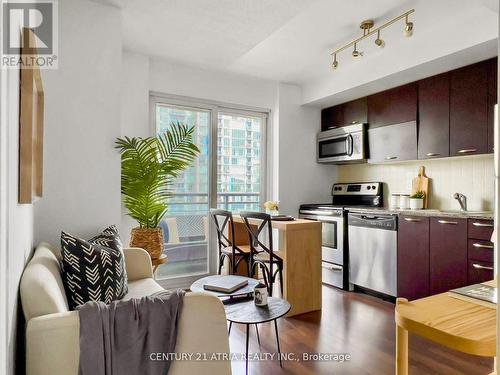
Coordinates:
x,y
149,166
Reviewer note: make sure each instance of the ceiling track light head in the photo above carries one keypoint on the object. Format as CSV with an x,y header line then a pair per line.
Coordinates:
x,y
379,42
408,27
355,52
335,63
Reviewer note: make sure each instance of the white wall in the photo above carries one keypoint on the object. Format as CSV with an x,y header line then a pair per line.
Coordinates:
x,y
82,119
175,79
134,113
301,178
134,109
16,221
472,176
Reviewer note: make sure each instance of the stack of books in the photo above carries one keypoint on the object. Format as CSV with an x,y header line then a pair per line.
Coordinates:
x,y
226,284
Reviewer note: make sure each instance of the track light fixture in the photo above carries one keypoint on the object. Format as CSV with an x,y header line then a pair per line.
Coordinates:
x,y
368,30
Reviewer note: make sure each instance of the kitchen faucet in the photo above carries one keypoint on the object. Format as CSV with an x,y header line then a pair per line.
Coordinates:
x,y
462,200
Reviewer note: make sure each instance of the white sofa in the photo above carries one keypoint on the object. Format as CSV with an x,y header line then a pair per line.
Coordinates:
x,y
52,331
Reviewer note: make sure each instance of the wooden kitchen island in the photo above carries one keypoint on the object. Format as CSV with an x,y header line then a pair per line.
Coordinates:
x,y
301,244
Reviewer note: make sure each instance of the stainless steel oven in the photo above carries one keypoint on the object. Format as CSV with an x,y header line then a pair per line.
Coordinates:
x,y
333,217
342,145
334,262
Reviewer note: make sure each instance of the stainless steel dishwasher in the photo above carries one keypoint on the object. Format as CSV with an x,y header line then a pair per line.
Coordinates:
x,y
373,252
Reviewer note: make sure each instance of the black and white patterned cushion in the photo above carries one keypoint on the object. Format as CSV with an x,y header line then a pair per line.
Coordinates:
x,y
110,237
93,270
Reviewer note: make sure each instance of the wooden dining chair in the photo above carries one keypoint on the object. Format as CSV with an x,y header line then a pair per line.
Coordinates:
x,y
263,255
225,240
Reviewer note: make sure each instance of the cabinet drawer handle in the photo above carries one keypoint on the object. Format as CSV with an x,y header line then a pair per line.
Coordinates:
x,y
412,220
479,267
391,157
467,150
433,154
447,222
483,225
481,246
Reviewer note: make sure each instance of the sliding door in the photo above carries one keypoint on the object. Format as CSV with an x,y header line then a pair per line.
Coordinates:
x,y
228,174
185,227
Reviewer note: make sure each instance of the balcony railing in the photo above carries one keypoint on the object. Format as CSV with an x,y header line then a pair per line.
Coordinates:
x,y
226,201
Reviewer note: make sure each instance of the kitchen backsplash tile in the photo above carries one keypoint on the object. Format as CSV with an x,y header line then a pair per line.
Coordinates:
x,y
472,176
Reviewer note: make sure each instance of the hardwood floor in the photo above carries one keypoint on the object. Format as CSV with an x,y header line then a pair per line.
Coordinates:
x,y
353,323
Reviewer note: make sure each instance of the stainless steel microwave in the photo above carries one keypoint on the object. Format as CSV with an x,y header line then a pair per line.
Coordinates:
x,y
342,145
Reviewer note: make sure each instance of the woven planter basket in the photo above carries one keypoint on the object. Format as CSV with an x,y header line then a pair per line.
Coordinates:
x,y
149,239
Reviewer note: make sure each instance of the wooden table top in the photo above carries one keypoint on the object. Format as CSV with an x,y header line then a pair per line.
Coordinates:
x,y
451,322
248,313
297,224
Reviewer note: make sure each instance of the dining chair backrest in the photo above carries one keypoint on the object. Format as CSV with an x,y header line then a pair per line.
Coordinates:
x,y
262,225
222,219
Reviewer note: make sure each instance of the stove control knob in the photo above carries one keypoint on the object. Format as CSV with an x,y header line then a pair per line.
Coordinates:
x,y
369,187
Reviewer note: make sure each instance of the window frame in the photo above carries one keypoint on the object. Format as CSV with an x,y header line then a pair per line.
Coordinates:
x,y
214,108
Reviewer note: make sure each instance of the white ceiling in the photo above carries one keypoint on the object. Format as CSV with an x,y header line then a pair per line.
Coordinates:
x,y
205,33
291,40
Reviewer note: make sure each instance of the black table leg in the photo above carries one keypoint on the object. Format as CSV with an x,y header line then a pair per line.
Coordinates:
x,y
230,325
258,336
277,340
246,349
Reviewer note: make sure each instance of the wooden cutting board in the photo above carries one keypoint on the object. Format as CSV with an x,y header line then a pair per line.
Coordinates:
x,y
421,183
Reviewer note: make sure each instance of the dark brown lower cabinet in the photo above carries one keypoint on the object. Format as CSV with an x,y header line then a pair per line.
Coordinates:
x,y
447,254
480,251
413,257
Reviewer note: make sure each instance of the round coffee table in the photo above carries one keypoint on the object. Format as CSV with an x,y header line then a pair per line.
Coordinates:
x,y
197,286
247,313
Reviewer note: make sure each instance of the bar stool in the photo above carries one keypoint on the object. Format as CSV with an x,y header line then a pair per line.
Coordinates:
x,y
261,254
226,245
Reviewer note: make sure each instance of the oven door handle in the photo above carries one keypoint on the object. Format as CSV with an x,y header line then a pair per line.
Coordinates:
x,y
325,219
333,267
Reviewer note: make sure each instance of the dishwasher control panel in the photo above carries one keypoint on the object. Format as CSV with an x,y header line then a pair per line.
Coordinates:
x,y
366,220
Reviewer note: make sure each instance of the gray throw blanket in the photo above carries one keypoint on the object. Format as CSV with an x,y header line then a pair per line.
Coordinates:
x,y
122,337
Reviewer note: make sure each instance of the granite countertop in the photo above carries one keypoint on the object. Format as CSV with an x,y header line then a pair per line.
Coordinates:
x,y
485,215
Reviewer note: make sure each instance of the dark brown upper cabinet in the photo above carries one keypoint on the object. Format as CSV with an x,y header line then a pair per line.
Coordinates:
x,y
332,117
492,98
356,112
349,113
469,110
434,117
393,106
396,142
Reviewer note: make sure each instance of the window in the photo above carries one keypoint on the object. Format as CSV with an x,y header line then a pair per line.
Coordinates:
x,y
230,177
